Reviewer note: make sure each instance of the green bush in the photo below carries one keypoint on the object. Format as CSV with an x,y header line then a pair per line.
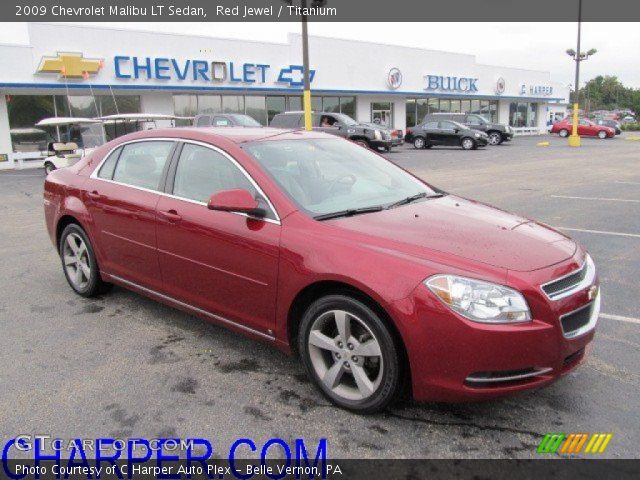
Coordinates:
x,y
634,127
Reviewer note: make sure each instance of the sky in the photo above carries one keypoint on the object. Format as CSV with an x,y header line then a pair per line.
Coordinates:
x,y
536,46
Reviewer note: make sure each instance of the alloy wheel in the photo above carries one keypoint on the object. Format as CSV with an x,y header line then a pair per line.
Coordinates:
x,y
563,133
602,134
418,143
76,261
467,144
345,355
494,138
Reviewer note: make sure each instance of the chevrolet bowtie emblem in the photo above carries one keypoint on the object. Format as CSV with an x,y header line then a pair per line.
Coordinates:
x,y
70,65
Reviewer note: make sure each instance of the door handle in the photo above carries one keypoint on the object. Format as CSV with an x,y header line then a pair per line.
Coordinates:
x,y
170,215
94,195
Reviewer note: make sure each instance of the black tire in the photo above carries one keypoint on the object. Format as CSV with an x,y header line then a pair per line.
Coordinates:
x,y
495,138
419,142
362,143
391,376
468,143
564,133
94,285
48,168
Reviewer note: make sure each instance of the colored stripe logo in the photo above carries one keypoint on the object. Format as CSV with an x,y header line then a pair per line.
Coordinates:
x,y
573,443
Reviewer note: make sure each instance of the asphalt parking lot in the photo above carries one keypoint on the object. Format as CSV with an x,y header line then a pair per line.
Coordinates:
x,y
123,366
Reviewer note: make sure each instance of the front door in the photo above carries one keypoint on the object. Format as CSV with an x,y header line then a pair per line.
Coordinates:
x,y
121,197
382,114
449,133
222,262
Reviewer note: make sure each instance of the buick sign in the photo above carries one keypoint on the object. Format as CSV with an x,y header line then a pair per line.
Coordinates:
x,y
394,78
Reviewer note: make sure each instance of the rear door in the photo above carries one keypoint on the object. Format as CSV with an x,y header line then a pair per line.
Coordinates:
x,y
476,122
432,133
121,196
222,262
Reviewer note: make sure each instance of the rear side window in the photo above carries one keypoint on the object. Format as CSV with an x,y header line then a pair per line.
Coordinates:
x,y
285,121
109,165
141,164
203,121
430,125
221,122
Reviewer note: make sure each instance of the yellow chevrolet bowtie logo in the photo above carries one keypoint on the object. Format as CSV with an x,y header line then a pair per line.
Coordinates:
x,y
70,65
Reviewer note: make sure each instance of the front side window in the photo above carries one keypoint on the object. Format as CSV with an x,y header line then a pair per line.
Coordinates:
x,y
202,171
323,176
475,120
141,163
431,125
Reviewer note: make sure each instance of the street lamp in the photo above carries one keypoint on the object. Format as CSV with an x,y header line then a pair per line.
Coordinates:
x,y
306,94
578,56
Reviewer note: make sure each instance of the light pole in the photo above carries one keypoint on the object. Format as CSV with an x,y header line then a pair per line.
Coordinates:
x,y
578,56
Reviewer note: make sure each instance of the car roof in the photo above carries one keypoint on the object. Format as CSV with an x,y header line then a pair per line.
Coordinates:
x,y
233,134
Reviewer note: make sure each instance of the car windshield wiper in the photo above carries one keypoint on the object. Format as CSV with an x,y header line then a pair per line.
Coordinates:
x,y
349,212
415,197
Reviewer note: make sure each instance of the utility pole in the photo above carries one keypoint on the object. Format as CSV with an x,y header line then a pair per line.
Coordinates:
x,y
574,138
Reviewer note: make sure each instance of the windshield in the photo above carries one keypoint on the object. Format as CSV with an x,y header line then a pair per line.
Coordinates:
x,y
246,121
324,176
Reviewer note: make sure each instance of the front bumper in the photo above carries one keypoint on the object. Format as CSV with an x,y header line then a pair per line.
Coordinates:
x,y
507,136
453,359
482,141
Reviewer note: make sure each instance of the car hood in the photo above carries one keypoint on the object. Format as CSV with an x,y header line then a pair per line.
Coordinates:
x,y
466,229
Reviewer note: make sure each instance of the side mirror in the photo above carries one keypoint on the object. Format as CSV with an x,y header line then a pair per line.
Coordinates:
x,y
237,200
456,130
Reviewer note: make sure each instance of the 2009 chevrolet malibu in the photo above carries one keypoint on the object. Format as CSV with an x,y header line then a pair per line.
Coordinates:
x,y
324,248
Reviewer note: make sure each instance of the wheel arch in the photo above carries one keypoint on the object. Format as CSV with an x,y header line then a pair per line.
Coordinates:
x,y
63,222
322,288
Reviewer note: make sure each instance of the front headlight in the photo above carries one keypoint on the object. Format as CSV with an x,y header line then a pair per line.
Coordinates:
x,y
478,135
377,135
480,301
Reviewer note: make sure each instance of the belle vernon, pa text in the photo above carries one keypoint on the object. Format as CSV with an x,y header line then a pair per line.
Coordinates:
x,y
241,11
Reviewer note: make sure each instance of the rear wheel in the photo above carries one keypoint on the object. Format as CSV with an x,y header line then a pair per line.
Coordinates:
x,y
563,133
79,262
48,168
602,134
419,143
349,353
468,143
495,138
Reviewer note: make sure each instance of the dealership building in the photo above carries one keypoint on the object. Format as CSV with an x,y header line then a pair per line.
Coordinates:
x,y
81,71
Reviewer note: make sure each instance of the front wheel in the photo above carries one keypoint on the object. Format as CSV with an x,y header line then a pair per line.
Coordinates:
x,y
48,168
350,354
563,133
495,138
79,262
468,143
419,143
602,134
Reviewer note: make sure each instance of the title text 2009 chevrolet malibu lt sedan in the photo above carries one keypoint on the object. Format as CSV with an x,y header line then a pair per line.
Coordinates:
x,y
320,246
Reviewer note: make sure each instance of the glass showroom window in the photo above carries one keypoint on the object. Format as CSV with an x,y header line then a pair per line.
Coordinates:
x,y
185,105
331,104
111,105
410,107
295,104
209,104
256,108
275,105
455,106
77,106
523,114
348,106
233,104
24,111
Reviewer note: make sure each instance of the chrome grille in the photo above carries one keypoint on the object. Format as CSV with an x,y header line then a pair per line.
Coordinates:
x,y
569,284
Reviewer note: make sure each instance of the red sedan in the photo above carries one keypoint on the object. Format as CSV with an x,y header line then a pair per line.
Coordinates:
x,y
586,128
324,248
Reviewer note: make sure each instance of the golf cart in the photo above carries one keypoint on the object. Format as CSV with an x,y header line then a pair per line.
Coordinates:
x,y
75,136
